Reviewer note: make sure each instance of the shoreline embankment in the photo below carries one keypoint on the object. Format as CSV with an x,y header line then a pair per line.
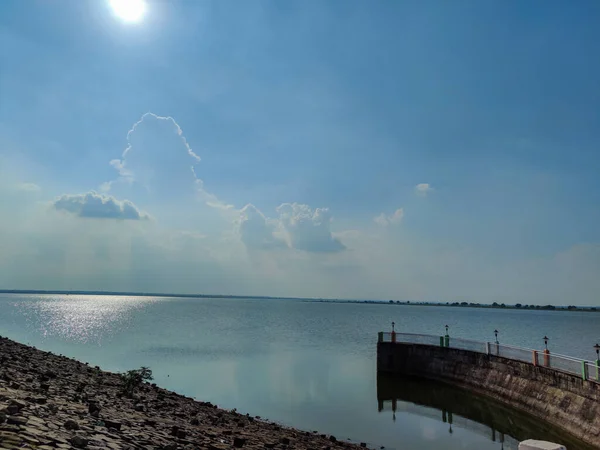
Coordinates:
x,y
52,402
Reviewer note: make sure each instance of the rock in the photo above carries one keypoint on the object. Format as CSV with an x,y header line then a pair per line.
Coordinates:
x,y
44,386
16,420
181,434
12,409
79,441
363,444
285,440
332,439
218,447
239,442
174,430
71,425
112,424
139,407
94,408
195,421
2,417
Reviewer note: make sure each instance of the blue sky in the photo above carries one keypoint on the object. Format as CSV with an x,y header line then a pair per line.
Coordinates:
x,y
309,125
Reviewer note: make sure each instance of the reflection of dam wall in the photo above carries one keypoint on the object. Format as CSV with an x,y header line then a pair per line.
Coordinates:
x,y
557,398
462,408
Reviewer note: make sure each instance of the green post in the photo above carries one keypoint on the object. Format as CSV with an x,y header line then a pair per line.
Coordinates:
x,y
380,336
598,369
441,341
583,371
447,340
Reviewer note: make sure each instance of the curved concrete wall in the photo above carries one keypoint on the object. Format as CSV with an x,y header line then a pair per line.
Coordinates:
x,y
560,399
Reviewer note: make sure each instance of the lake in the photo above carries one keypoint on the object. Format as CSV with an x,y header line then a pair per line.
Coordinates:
x,y
305,364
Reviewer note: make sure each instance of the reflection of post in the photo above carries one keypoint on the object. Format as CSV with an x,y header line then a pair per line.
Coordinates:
x,y
379,405
444,416
493,435
394,404
450,422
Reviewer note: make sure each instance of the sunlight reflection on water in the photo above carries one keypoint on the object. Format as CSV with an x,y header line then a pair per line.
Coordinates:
x,y
83,319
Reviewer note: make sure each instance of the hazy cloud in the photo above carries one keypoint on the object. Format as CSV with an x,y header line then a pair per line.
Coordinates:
x,y
423,189
27,187
256,231
97,206
308,229
385,220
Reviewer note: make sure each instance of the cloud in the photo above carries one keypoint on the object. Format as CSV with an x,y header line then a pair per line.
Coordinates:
x,y
308,229
27,187
256,231
423,189
158,161
98,206
385,220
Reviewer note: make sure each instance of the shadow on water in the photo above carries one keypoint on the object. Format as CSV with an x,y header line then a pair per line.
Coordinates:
x,y
460,408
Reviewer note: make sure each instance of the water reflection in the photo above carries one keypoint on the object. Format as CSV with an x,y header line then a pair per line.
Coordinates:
x,y
459,408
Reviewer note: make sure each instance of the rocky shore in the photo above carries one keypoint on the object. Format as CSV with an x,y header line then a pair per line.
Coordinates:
x,y
52,402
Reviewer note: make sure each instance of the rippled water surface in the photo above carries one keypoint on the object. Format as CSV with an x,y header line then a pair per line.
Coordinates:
x,y
310,365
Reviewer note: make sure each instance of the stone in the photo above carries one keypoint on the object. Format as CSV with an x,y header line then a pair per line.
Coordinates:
x,y
332,439
16,420
181,434
71,425
285,440
139,407
195,421
2,417
12,409
532,444
363,444
239,442
79,441
112,424
218,447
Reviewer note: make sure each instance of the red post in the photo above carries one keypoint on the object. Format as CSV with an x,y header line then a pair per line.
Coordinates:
x,y
547,358
393,336
535,358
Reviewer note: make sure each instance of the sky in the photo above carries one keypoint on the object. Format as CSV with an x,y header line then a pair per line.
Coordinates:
x,y
406,150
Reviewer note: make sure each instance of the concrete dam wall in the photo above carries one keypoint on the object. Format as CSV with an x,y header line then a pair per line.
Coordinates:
x,y
563,400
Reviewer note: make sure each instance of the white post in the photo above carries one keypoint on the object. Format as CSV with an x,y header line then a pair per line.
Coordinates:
x,y
487,348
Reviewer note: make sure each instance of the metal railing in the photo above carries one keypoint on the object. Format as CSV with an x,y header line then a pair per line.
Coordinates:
x,y
588,370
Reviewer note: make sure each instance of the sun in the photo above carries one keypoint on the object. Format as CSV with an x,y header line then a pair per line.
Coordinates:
x,y
129,10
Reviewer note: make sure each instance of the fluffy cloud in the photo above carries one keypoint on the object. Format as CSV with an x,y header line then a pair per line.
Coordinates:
x,y
423,189
308,229
385,220
256,231
97,206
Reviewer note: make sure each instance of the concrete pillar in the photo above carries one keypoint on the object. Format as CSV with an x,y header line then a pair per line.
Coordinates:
x,y
547,358
532,444
487,348
534,358
447,341
584,374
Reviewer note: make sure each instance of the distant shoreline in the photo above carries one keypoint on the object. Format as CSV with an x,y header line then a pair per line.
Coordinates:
x,y
494,305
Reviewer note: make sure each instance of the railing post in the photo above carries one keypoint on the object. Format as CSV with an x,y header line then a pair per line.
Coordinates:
x,y
447,341
534,358
487,348
394,337
547,358
380,336
598,369
441,341
584,374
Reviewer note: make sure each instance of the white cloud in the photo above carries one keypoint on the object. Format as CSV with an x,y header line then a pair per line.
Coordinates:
x,y
159,159
385,220
423,189
97,206
308,229
256,231
27,187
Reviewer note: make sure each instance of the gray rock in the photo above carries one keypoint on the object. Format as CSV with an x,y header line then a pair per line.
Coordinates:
x,y
79,441
239,442
71,425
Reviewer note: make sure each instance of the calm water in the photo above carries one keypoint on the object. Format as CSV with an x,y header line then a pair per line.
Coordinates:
x,y
309,365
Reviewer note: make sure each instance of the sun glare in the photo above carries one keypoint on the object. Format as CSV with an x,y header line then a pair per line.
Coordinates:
x,y
129,10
